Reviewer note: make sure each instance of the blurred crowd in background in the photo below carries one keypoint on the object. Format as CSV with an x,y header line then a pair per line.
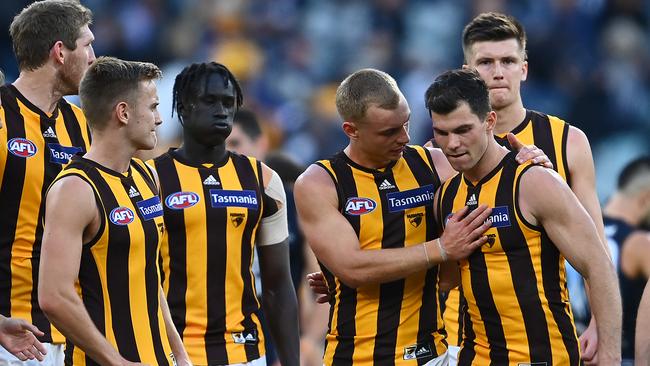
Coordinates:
x,y
589,60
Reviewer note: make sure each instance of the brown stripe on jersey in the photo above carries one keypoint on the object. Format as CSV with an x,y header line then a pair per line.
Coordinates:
x,y
542,136
390,293
484,299
348,296
515,246
117,261
467,352
177,276
10,193
565,160
427,174
249,180
71,123
152,281
216,258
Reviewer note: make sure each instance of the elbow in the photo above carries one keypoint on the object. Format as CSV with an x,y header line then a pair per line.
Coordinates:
x,y
50,300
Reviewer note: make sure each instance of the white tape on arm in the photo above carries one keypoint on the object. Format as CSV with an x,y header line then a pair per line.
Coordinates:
x,y
274,229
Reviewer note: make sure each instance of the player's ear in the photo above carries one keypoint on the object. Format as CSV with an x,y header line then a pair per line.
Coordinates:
x,y
351,130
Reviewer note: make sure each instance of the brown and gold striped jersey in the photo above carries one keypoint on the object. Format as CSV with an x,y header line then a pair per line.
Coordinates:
x,y
548,133
34,147
118,280
394,323
518,308
212,213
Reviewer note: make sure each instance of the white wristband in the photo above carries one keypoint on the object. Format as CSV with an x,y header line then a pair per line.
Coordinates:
x,y
443,254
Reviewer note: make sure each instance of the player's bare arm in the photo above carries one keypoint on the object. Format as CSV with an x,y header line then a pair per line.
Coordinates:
x,y
635,256
547,201
71,219
642,341
336,245
279,297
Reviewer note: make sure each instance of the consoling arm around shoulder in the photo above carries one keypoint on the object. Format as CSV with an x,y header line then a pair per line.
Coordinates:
x,y
337,246
278,295
71,218
546,200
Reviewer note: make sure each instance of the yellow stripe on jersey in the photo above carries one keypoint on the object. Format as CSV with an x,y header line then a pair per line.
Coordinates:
x,y
517,309
33,148
387,208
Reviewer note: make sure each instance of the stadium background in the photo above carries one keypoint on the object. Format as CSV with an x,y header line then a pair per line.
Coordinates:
x,y
589,60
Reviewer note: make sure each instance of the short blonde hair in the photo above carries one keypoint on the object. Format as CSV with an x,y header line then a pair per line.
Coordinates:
x,y
364,88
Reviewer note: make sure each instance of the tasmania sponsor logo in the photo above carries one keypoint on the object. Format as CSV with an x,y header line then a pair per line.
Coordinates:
x,y
233,198
150,208
500,217
121,216
400,201
21,147
359,206
181,200
62,154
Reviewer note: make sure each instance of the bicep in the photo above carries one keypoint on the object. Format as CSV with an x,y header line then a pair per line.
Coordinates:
x,y
329,234
583,176
70,208
565,221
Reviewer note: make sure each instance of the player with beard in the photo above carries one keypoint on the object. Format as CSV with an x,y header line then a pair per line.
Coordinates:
x,y
53,46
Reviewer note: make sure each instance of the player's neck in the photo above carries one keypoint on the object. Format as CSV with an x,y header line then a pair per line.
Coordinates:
x,y
110,152
365,160
624,208
509,117
201,154
492,156
39,87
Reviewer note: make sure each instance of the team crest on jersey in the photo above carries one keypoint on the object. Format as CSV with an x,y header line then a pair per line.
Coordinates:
x,y
121,216
417,351
415,219
21,147
150,208
62,154
356,206
400,201
237,218
181,200
233,198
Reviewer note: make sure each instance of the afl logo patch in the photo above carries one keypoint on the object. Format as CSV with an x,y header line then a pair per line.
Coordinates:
x,y
21,147
359,206
181,200
121,216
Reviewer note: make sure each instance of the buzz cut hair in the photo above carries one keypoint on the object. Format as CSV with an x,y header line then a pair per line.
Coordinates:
x,y
363,89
